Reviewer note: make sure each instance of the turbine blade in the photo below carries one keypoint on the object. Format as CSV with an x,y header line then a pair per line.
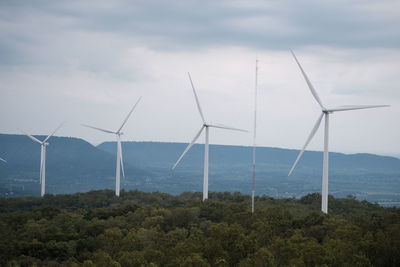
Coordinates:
x,y
313,92
5,161
99,129
130,112
197,99
31,137
120,157
221,126
189,146
50,135
313,131
354,107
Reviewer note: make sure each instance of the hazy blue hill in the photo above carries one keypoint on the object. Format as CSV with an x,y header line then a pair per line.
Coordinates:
x,y
150,154
368,176
72,165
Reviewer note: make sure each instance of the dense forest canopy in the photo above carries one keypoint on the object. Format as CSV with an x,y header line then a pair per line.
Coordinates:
x,y
158,229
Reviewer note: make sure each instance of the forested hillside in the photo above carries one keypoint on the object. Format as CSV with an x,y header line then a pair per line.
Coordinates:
x,y
157,229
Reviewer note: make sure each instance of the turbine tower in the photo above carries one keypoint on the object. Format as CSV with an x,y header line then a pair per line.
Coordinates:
x,y
325,113
120,163
207,127
43,145
3,160
253,182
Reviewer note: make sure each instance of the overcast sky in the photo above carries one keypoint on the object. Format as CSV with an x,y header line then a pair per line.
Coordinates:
x,y
89,61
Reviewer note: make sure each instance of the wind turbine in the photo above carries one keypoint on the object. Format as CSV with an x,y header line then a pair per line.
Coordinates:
x,y
325,113
43,145
120,163
3,160
207,127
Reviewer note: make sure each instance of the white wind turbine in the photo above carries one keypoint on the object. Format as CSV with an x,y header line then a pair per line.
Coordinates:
x,y
204,126
3,160
120,163
43,145
325,112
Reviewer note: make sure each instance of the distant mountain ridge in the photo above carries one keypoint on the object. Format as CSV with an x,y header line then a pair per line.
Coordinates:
x,y
368,176
165,154
74,165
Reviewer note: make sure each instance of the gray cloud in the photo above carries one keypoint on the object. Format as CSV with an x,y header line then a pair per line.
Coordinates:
x,y
277,26
199,24
96,34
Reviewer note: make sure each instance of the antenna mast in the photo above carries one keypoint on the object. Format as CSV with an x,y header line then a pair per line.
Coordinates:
x,y
253,187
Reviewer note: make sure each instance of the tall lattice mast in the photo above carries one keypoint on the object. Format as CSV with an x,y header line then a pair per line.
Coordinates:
x,y
253,186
